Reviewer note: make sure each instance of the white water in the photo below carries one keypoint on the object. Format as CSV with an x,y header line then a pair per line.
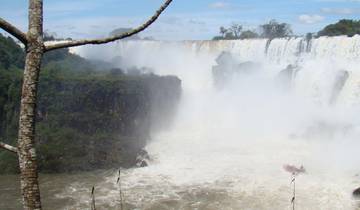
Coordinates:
x,y
226,148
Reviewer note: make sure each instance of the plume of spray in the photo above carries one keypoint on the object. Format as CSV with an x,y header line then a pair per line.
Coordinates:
x,y
237,138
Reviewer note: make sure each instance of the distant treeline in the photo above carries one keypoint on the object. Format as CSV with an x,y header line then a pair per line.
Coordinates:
x,y
274,29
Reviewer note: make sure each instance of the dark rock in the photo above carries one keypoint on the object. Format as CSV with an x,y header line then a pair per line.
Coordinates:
x,y
227,68
340,81
142,164
286,76
142,158
356,193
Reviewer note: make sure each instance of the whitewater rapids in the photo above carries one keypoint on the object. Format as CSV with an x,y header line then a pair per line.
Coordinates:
x,y
226,148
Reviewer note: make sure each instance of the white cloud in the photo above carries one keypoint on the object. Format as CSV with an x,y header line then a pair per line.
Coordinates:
x,y
310,19
340,11
219,5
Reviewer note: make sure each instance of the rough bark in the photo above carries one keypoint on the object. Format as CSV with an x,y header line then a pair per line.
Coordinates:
x,y
8,27
8,147
26,144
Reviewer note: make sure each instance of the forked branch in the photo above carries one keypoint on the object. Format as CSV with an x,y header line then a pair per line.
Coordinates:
x,y
111,38
8,27
8,147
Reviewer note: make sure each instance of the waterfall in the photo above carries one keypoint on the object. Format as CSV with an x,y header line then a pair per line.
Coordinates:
x,y
320,58
227,146
278,49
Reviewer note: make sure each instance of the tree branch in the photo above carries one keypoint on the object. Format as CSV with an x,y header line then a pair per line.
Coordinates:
x,y
111,38
8,27
8,147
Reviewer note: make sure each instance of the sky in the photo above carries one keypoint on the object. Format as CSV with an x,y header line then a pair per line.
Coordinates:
x,y
183,20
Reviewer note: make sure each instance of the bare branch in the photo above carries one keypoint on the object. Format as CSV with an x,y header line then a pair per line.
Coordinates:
x,y
8,27
8,147
111,38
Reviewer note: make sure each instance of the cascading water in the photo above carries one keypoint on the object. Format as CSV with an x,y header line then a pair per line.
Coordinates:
x,y
226,148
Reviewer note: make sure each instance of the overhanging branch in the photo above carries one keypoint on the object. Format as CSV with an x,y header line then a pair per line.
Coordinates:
x,y
8,147
111,38
8,27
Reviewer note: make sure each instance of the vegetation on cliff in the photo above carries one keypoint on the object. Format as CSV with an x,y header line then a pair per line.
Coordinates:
x,y
89,116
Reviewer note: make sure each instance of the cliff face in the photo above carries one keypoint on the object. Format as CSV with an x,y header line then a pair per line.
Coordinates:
x,y
92,123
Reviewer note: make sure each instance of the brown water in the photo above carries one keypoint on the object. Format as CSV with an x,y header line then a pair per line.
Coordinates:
x,y
164,186
52,189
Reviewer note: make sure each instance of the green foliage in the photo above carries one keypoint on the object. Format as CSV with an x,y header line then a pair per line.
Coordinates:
x,y
270,30
217,38
11,54
235,31
10,85
248,35
274,29
55,55
343,27
84,116
8,163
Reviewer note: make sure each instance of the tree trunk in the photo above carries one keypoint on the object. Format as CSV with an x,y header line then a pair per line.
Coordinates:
x,y
26,137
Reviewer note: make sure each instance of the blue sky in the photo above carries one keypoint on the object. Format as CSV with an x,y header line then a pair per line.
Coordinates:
x,y
184,19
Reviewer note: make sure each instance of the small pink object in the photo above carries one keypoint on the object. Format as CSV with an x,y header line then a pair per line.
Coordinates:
x,y
293,169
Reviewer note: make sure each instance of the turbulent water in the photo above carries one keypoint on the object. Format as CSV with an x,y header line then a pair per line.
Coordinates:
x,y
226,148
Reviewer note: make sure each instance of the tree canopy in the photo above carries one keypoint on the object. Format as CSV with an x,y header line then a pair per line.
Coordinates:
x,y
11,53
235,31
274,29
343,27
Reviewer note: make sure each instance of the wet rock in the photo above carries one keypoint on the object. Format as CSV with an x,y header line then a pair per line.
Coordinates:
x,y
356,193
287,75
228,67
142,158
340,81
224,68
142,164
143,154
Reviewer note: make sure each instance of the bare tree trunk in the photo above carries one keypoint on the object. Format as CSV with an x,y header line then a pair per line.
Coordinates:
x,y
26,137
